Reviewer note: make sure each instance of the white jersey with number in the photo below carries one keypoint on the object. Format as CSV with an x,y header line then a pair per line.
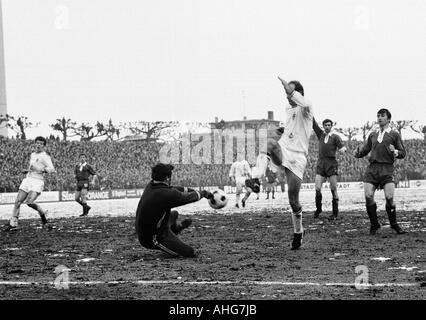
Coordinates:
x,y
295,140
241,171
40,163
298,126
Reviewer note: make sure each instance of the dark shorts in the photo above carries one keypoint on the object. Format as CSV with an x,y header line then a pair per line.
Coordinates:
x,y
253,184
379,174
271,186
327,167
82,185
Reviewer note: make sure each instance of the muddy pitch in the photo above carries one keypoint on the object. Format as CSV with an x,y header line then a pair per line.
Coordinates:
x,y
243,255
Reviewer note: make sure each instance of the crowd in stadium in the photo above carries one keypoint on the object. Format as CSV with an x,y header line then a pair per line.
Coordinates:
x,y
128,164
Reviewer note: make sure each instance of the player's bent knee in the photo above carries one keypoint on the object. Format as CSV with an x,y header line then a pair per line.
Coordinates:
x,y
295,207
32,205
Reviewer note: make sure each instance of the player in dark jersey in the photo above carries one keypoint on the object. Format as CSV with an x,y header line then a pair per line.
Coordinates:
x,y
384,146
83,171
327,168
271,179
156,224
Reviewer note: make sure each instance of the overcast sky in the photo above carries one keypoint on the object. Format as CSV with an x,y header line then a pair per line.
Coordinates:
x,y
192,60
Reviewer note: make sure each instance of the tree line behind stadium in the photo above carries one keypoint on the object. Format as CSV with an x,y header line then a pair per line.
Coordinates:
x,y
127,165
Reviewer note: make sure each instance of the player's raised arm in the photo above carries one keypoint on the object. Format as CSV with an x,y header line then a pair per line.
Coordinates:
x,y
295,96
287,88
318,131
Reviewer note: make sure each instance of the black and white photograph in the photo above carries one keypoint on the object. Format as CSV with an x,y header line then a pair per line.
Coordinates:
x,y
195,151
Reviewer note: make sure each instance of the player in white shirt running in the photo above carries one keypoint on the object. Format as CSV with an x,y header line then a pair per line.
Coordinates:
x,y
32,186
240,171
289,151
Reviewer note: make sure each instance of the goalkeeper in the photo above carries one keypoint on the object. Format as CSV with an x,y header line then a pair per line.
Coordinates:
x,y
156,223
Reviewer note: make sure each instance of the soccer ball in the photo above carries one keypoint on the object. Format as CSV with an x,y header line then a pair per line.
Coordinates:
x,y
219,199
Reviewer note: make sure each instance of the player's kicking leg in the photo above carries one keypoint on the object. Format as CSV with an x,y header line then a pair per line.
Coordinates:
x,y
389,189
31,198
13,221
294,184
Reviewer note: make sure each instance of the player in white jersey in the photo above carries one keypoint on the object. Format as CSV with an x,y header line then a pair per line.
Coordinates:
x,y
289,151
32,186
240,171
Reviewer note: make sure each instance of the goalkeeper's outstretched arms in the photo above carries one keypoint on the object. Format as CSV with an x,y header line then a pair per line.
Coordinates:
x,y
179,198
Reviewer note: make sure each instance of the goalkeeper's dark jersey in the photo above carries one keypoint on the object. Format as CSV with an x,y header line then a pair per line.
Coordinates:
x,y
155,204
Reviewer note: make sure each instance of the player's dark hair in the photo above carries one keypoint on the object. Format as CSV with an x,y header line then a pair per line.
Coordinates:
x,y
298,87
42,139
383,110
82,154
161,171
327,121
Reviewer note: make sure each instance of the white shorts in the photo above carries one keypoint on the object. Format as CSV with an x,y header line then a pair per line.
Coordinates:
x,y
293,160
240,183
32,184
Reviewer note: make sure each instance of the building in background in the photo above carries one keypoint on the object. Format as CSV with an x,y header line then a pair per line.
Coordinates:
x,y
245,124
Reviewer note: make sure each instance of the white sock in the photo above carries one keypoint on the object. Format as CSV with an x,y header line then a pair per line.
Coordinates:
x,y
297,221
13,221
237,198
